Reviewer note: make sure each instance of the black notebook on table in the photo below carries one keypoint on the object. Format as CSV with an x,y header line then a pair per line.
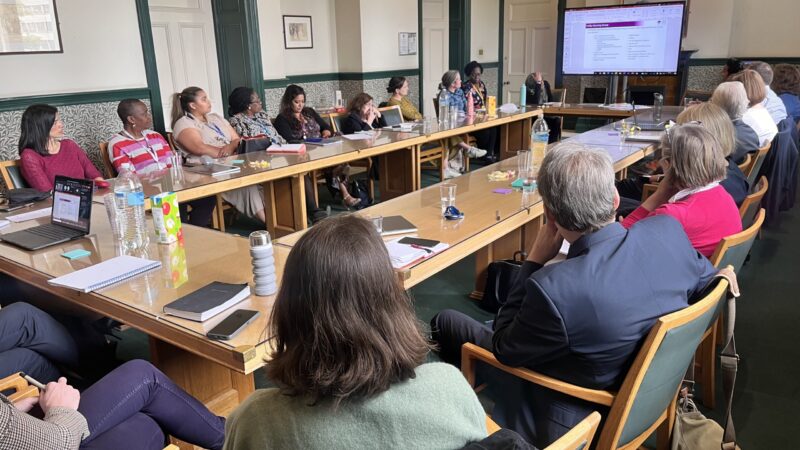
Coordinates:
x,y
208,301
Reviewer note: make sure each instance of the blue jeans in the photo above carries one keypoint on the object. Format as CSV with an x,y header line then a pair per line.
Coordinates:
x,y
31,341
135,405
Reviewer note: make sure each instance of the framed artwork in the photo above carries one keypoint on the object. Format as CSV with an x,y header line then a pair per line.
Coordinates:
x,y
407,42
29,26
297,32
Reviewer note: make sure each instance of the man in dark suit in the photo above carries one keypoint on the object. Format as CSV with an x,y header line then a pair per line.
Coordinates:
x,y
583,319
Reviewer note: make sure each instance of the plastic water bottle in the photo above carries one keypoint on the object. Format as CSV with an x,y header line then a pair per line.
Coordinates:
x,y
129,205
263,263
540,134
523,95
444,109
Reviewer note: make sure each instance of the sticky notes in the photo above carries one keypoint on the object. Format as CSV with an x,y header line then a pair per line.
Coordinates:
x,y
75,254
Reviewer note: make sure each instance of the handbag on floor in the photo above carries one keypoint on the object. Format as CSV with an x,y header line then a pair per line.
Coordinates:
x,y
694,431
501,276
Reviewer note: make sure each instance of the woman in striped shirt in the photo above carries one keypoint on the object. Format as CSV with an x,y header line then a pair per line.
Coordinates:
x,y
148,152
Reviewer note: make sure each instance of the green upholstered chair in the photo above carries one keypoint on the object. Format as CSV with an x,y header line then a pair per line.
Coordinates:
x,y
646,401
752,203
12,174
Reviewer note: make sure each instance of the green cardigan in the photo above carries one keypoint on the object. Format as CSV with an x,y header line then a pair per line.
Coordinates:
x,y
435,410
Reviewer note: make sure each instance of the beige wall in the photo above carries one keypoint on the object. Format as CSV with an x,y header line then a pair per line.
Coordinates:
x,y
381,21
765,28
348,35
484,32
709,28
102,51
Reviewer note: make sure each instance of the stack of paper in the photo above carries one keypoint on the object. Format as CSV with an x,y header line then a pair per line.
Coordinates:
x,y
287,148
403,255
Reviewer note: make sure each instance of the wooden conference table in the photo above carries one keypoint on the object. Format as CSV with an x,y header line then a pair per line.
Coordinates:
x,y
284,190
220,373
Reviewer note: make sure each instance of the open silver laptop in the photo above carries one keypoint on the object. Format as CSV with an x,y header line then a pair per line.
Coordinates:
x,y
69,219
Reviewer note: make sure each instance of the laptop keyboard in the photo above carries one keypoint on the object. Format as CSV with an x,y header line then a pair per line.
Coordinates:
x,y
53,231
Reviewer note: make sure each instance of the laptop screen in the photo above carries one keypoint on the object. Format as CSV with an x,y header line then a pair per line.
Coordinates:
x,y
72,203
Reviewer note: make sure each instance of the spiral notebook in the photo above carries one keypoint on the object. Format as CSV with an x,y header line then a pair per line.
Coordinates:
x,y
106,273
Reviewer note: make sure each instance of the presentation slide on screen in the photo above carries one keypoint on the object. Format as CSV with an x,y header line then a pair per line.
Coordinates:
x,y
66,207
637,39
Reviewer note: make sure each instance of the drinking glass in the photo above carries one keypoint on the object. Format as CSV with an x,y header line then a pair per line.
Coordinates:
x,y
528,179
447,194
523,162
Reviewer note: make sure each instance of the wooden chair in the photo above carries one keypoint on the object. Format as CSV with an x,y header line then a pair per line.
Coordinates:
x,y
745,165
752,203
20,387
12,174
559,95
578,438
392,115
468,139
108,168
702,96
755,165
731,251
646,401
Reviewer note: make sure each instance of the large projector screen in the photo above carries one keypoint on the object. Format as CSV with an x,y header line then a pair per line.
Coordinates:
x,y
623,40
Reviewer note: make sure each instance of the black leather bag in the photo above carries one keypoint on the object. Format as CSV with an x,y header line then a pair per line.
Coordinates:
x,y
500,278
25,195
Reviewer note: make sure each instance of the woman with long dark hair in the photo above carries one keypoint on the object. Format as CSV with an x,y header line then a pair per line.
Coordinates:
x,y
295,121
45,152
349,357
198,131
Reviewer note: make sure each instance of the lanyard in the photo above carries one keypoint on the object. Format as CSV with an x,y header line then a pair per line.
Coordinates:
x,y
214,127
146,146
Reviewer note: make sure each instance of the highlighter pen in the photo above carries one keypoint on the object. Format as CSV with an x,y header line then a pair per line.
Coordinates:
x,y
32,381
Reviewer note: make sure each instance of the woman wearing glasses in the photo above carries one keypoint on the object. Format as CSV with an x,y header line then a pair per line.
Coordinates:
x,y
694,164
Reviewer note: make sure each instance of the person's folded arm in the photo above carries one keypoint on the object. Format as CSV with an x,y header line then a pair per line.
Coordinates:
x,y
534,335
61,429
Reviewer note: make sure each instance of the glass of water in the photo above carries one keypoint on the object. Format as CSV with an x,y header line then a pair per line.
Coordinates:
x,y
447,194
528,179
377,222
523,162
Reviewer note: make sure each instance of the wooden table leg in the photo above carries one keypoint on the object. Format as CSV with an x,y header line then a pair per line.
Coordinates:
x,y
503,248
285,205
221,389
398,173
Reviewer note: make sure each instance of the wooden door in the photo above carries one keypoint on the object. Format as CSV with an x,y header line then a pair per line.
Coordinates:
x,y
186,51
435,54
529,43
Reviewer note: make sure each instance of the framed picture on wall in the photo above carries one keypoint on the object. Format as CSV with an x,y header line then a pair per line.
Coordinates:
x,y
29,26
297,32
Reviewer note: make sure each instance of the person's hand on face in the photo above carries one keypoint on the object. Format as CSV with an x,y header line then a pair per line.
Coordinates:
x,y
547,244
537,76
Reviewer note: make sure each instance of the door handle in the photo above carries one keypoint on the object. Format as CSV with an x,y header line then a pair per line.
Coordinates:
x,y
506,83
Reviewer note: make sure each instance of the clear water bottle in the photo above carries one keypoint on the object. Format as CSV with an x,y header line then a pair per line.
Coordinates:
x,y
540,134
129,205
444,109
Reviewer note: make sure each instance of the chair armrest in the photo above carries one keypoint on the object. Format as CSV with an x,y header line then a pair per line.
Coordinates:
x,y
20,387
491,426
470,353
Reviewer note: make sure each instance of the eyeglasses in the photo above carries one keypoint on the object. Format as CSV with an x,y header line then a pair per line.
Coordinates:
x,y
256,101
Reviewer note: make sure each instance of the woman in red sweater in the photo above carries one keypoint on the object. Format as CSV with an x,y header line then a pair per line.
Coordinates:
x,y
44,152
690,192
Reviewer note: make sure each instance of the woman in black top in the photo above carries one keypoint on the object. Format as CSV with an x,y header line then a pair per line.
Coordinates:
x,y
297,123
363,115
475,89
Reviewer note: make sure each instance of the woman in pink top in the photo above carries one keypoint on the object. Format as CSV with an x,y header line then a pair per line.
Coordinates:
x,y
44,153
690,192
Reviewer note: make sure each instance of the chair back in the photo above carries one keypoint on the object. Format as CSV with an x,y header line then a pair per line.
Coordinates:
x,y
580,436
752,203
559,95
12,174
702,96
171,142
758,161
745,165
108,168
594,95
652,383
336,120
392,115
733,250
17,387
